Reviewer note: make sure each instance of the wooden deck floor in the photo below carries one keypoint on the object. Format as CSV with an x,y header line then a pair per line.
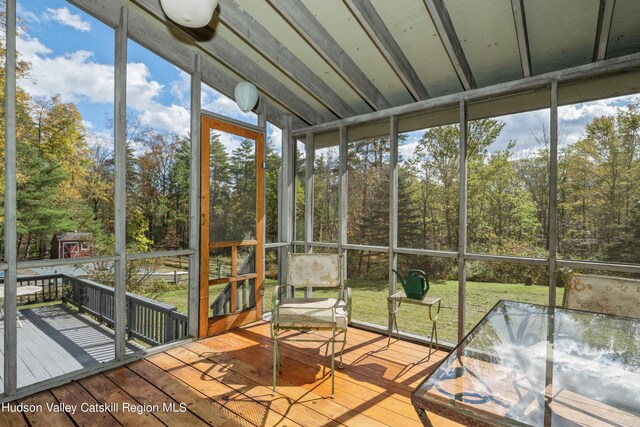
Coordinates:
x,y
54,340
226,380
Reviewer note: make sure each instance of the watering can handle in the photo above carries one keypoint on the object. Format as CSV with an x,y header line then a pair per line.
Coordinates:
x,y
412,272
399,276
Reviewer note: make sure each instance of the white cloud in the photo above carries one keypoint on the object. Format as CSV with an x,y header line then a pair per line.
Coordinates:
x,y
573,118
25,14
142,93
64,17
229,141
181,88
589,110
79,77
215,102
30,48
524,128
527,128
75,76
407,144
100,139
275,136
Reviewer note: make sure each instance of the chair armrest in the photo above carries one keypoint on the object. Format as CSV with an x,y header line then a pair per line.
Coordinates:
x,y
275,297
275,303
346,297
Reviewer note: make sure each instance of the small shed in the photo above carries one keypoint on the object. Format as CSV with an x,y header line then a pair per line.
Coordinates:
x,y
71,245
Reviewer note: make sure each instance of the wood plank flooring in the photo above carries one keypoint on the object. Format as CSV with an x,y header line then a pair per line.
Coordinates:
x,y
55,340
226,381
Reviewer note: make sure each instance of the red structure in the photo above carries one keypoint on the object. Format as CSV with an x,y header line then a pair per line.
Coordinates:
x,y
71,245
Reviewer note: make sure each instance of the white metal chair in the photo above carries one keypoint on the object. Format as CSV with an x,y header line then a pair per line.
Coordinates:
x,y
312,314
619,296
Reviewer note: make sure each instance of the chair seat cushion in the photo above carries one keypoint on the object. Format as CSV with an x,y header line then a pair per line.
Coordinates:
x,y
312,313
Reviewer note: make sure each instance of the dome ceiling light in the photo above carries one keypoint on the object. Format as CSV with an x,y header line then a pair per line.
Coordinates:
x,y
246,95
189,13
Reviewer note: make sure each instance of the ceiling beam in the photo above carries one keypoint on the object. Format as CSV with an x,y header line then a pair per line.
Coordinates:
x,y
605,16
303,21
442,21
520,22
224,52
260,39
372,23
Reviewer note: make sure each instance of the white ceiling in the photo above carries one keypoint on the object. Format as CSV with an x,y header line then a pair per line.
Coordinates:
x,y
559,35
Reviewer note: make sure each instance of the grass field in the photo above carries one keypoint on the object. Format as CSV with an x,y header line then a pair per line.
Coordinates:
x,y
370,303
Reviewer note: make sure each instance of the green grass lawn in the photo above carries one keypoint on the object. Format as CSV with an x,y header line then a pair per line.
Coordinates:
x,y
370,303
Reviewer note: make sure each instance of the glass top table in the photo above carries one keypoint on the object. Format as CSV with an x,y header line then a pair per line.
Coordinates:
x,y
533,365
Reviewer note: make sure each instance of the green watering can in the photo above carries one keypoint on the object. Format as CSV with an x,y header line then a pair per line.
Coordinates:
x,y
416,285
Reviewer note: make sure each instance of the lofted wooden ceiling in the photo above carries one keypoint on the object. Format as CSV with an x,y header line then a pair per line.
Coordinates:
x,y
322,60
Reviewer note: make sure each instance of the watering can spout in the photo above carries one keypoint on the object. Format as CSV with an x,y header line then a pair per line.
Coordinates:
x,y
399,277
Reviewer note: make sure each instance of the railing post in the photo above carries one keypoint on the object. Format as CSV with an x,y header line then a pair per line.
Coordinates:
x,y
168,328
79,294
131,315
102,305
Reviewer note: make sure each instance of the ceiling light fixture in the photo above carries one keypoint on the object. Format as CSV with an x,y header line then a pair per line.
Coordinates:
x,y
189,13
246,95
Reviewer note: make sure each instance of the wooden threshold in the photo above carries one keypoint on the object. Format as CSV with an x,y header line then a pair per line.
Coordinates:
x,y
226,381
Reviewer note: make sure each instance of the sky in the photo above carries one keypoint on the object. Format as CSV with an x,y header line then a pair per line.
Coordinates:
x,y
71,55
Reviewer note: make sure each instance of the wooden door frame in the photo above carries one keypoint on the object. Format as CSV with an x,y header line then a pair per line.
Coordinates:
x,y
208,326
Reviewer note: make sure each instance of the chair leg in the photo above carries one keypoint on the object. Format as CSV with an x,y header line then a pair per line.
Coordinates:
x,y
435,331
276,360
333,368
434,334
344,343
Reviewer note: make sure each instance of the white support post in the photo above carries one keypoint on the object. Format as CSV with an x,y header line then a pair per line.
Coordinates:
x,y
308,192
262,123
287,211
194,198
343,192
10,213
393,208
553,194
462,240
120,179
310,156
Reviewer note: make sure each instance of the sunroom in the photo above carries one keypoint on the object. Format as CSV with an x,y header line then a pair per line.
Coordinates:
x,y
159,179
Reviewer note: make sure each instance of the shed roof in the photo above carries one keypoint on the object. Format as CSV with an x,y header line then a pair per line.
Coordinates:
x,y
73,236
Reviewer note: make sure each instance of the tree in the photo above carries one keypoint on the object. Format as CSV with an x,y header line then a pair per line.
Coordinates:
x,y
242,203
272,176
41,210
368,207
598,190
178,235
325,193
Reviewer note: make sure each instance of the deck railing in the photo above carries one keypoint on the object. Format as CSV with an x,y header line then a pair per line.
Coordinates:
x,y
149,321
245,298
51,285
245,291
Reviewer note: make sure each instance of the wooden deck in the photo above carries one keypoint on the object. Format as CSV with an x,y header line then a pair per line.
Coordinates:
x,y
226,381
55,340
